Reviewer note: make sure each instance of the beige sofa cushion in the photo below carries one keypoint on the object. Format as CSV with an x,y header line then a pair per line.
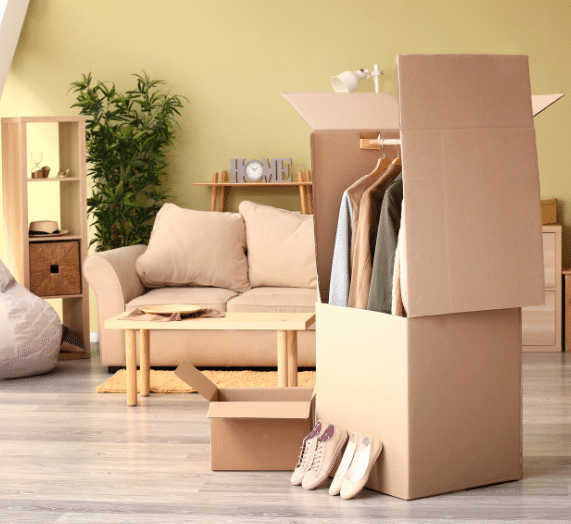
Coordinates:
x,y
206,297
281,247
195,248
274,300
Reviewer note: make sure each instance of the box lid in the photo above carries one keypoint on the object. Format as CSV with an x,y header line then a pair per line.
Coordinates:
x,y
327,111
471,184
194,378
540,102
260,410
363,111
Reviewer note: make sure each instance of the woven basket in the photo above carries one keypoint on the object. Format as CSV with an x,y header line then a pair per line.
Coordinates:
x,y
55,268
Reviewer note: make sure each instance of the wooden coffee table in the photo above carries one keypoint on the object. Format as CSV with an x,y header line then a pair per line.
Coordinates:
x,y
285,324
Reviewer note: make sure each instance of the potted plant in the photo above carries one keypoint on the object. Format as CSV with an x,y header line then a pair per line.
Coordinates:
x,y
128,137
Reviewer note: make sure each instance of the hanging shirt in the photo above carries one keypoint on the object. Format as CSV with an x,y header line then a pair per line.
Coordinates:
x,y
380,292
344,241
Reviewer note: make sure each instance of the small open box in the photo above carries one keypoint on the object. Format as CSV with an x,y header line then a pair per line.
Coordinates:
x,y
253,429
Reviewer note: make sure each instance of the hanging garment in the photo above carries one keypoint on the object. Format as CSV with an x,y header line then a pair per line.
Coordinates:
x,y
366,237
344,241
400,284
380,293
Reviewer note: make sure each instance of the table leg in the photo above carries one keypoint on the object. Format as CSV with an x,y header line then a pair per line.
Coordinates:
x,y
213,193
131,365
145,356
282,358
292,358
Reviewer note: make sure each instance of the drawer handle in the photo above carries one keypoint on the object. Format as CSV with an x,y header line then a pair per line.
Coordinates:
x,y
54,268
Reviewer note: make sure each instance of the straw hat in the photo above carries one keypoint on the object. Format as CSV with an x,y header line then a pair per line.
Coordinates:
x,y
44,227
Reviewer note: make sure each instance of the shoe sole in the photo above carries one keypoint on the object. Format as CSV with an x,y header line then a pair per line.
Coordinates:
x,y
333,462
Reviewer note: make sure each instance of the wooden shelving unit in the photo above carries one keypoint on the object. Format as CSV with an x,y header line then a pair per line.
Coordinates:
x,y
73,209
541,325
220,187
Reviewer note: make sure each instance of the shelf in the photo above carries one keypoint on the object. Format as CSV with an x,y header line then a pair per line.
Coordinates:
x,y
52,297
54,239
72,209
253,184
43,119
74,356
55,179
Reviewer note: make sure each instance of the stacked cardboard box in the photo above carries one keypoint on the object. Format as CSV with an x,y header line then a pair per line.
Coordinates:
x,y
442,388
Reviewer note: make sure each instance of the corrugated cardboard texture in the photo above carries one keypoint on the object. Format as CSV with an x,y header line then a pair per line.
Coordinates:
x,y
193,377
464,401
442,393
344,111
259,409
471,184
256,444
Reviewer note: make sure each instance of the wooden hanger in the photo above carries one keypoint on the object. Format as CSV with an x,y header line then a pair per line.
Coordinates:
x,y
397,161
382,164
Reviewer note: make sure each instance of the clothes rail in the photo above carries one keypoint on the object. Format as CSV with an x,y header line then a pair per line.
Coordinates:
x,y
379,143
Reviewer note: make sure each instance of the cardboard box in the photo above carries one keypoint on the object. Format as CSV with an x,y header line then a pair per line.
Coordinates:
x,y
442,388
549,211
253,429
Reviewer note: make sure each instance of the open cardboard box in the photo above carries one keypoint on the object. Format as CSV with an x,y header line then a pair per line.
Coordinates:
x,y
253,429
442,388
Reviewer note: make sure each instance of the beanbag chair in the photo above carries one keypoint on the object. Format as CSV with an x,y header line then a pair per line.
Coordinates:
x,y
30,330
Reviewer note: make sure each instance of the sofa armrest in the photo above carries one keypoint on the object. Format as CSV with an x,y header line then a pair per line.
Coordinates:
x,y
114,280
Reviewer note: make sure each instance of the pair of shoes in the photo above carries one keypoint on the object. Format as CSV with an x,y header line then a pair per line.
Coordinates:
x,y
318,454
356,465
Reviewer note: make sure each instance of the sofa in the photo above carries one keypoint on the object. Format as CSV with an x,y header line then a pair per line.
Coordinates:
x,y
261,259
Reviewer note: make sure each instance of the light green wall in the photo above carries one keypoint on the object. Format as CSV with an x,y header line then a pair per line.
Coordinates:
x,y
232,59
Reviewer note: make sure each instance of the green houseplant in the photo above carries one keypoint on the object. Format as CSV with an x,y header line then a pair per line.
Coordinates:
x,y
128,138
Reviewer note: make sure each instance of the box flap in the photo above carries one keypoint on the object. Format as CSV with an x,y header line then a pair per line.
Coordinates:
x,y
194,378
540,102
260,410
471,183
363,111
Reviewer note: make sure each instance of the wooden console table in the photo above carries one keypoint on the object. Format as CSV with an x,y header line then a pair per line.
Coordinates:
x,y
219,187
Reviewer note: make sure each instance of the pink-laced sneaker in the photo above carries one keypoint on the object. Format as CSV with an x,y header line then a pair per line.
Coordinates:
x,y
305,454
328,446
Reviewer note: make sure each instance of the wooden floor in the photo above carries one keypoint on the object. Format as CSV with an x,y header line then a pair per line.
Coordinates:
x,y
69,455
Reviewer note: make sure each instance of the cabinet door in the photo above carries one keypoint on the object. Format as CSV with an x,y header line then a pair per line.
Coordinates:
x,y
538,323
549,259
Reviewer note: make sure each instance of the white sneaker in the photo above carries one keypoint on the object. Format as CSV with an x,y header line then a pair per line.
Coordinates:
x,y
306,453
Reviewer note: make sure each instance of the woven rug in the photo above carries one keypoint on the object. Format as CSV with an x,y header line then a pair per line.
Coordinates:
x,y
168,382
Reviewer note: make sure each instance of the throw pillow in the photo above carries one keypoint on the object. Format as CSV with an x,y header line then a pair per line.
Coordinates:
x,y
281,247
195,248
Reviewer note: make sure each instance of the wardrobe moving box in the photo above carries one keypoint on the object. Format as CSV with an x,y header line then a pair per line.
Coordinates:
x,y
442,388
253,429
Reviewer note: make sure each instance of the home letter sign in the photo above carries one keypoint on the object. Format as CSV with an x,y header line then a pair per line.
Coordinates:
x,y
266,171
